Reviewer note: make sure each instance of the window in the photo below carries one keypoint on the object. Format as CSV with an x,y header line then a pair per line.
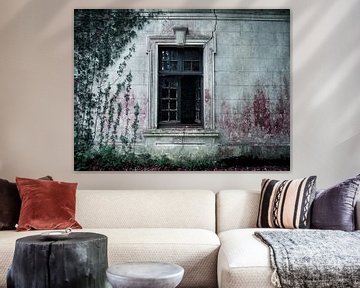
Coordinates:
x,y
180,78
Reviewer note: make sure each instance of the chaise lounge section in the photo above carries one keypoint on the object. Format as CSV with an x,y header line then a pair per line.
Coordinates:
x,y
244,260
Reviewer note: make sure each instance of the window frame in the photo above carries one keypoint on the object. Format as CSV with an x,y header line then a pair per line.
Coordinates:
x,y
208,45
178,75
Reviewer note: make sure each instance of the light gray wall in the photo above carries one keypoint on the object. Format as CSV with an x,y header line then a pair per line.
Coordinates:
x,y
36,94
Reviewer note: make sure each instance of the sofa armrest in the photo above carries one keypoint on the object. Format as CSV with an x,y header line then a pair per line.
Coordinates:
x,y
357,215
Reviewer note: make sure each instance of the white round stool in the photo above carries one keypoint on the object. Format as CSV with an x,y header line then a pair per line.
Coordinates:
x,y
145,275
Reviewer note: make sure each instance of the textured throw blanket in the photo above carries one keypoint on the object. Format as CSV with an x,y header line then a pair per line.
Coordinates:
x,y
314,258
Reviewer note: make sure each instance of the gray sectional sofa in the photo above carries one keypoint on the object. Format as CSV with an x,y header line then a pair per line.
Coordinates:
x,y
209,234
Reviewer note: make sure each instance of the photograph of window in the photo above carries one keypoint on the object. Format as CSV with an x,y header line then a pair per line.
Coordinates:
x,y
192,90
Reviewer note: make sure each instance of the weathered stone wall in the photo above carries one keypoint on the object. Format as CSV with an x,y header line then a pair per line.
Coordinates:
x,y
252,74
246,109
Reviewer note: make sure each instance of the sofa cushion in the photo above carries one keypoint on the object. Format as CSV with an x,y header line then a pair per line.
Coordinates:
x,y
10,204
146,209
244,261
236,209
334,208
286,204
46,204
194,249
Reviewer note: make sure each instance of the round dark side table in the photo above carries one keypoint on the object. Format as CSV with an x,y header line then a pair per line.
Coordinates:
x,y
79,260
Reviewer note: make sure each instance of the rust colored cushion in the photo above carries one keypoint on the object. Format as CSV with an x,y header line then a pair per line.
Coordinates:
x,y
10,204
46,204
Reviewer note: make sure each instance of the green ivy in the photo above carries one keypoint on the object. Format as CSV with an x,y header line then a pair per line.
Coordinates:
x,y
101,37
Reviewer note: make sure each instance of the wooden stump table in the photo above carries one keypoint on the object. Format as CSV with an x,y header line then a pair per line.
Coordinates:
x,y
78,261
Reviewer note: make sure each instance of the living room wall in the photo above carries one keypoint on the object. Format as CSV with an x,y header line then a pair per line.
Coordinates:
x,y
36,94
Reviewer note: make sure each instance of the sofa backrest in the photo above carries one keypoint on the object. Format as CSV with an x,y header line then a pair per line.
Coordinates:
x,y
236,209
146,209
239,209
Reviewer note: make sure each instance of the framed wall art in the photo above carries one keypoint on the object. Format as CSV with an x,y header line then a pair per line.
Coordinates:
x,y
181,90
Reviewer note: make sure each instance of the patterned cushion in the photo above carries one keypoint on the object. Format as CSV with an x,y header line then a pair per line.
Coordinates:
x,y
286,204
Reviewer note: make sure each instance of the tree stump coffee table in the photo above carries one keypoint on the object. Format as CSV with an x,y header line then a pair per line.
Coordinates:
x,y
145,275
79,260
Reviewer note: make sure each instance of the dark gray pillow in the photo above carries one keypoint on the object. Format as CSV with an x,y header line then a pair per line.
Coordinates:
x,y
9,205
334,208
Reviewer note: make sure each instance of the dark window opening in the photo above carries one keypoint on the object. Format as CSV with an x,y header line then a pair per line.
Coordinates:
x,y
180,86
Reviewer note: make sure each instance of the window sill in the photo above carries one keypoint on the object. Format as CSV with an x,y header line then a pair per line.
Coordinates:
x,y
181,132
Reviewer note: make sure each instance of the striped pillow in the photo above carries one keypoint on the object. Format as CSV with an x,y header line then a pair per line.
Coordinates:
x,y
286,204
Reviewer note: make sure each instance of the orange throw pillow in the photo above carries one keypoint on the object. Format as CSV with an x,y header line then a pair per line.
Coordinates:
x,y
46,204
